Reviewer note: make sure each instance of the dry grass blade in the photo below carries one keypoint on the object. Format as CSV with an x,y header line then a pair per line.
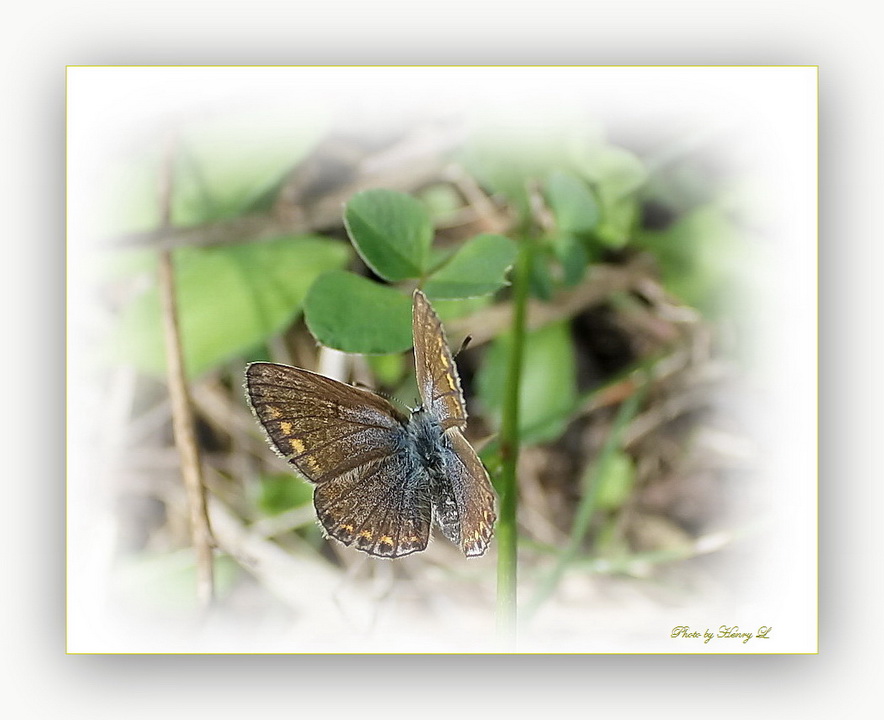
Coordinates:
x,y
182,413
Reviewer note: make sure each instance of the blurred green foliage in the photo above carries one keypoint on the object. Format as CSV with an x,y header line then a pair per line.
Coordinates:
x,y
616,479
700,256
232,299
165,580
232,163
223,165
576,197
284,491
548,389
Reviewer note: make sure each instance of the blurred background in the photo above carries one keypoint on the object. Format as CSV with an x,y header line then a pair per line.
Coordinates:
x,y
641,499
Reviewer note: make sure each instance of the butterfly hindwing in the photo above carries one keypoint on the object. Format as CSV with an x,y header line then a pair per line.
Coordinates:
x,y
437,378
383,509
463,500
473,497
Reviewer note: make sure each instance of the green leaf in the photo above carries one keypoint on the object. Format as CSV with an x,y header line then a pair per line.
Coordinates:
x,y
497,170
541,281
453,309
573,256
229,300
573,204
442,201
388,369
391,231
507,157
619,220
614,171
549,385
354,314
283,492
616,175
478,268
700,257
226,163
616,481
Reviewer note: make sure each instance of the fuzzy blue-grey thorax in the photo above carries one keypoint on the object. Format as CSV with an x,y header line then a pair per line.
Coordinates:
x,y
427,440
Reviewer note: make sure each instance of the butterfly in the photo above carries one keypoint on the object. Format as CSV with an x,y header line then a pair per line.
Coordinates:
x,y
382,476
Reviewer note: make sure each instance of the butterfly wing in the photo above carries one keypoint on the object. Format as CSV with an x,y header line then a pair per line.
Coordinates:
x,y
383,508
350,443
437,378
465,509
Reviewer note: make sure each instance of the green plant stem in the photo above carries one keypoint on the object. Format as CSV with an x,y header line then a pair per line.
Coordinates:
x,y
507,534
586,508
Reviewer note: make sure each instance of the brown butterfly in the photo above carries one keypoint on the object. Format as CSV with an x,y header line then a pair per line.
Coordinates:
x,y
382,476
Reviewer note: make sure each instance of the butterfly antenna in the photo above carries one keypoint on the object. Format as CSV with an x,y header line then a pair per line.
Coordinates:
x,y
376,391
463,346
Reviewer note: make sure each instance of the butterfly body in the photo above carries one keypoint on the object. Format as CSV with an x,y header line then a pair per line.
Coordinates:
x,y
382,477
437,462
427,441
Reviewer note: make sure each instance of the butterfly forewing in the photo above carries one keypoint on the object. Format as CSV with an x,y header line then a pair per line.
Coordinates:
x,y
321,426
437,378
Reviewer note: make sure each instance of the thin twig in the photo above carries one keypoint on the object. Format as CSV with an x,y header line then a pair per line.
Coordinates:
x,y
488,323
182,414
285,575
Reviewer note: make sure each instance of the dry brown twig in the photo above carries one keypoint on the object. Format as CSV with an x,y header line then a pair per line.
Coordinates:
x,y
488,323
182,412
282,573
